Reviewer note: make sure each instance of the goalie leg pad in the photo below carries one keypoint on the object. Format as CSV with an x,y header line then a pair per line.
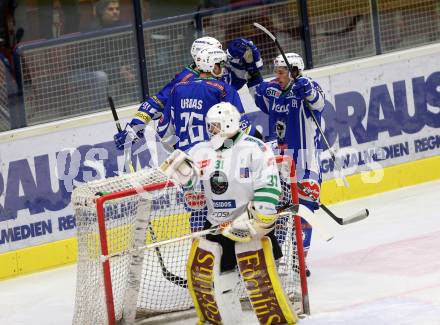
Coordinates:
x,y
211,291
201,268
258,270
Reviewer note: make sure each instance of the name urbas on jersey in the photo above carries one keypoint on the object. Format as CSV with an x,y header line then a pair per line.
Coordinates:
x,y
188,105
191,103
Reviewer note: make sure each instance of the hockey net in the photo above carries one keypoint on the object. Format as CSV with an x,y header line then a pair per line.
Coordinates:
x,y
115,215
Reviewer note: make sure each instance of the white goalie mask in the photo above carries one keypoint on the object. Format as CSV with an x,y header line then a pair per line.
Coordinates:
x,y
208,57
222,122
203,42
294,59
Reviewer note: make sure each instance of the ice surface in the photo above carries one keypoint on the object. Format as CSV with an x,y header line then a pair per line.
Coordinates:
x,y
383,270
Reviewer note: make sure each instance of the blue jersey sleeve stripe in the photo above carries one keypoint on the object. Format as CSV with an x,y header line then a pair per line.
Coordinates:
x,y
315,99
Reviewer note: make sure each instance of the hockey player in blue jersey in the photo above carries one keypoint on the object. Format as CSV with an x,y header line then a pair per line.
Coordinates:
x,y
285,100
153,107
189,101
185,113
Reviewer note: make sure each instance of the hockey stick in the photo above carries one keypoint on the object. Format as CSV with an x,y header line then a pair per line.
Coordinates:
x,y
197,234
175,279
211,231
292,72
127,150
358,216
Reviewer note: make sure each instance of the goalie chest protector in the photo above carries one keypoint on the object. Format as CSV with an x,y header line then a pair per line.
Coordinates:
x,y
231,176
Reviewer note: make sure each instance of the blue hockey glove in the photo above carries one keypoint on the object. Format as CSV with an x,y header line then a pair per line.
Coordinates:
x,y
244,55
131,134
303,87
248,128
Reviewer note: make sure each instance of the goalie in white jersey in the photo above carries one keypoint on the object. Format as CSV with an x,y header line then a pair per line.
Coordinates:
x,y
240,180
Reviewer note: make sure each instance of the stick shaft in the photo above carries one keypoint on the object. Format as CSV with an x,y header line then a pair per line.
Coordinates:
x,y
197,234
114,113
283,54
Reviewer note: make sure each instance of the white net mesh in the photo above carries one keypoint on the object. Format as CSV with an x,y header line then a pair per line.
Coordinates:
x,y
162,286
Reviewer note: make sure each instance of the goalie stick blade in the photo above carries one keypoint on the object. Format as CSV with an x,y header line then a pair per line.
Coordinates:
x,y
177,280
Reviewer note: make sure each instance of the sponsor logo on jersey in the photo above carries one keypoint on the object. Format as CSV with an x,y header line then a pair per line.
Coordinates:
x,y
224,204
219,182
273,92
158,101
244,172
244,123
191,103
311,190
195,200
143,116
280,129
291,94
280,108
204,163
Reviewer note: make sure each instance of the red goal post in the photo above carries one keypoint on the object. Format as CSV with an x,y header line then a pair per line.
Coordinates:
x,y
116,215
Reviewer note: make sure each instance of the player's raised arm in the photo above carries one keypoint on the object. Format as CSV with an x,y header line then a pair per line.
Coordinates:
x,y
155,106
244,63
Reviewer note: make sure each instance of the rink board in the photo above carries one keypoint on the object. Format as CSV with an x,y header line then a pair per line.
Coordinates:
x,y
392,103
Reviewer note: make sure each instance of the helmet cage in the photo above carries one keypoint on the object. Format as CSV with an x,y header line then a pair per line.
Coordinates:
x,y
222,122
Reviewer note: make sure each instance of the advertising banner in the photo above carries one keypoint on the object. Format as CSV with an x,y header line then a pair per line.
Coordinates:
x,y
375,116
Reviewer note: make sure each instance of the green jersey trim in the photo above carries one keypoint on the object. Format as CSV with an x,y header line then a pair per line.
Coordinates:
x,y
268,190
266,199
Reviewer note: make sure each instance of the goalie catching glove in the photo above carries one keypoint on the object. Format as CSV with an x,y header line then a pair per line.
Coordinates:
x,y
181,168
250,225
